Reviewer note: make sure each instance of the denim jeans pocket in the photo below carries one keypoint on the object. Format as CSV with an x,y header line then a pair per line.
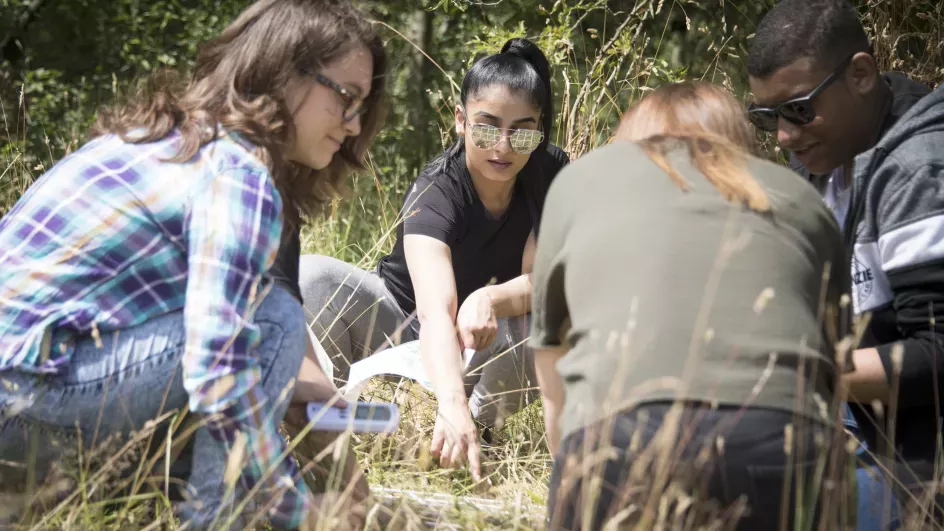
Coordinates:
x,y
123,355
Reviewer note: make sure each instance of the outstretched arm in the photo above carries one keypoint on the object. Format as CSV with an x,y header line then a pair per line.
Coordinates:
x,y
430,263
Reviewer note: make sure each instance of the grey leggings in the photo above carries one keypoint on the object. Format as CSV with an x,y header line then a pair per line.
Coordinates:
x,y
352,313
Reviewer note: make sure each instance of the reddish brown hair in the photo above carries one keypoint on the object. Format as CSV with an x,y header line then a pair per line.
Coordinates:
x,y
711,123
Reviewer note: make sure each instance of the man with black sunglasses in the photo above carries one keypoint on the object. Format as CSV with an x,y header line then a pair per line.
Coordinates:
x,y
873,144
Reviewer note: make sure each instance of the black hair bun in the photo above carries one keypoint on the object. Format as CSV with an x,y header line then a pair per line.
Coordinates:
x,y
527,50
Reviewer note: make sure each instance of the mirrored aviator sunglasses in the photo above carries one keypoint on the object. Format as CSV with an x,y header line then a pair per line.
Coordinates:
x,y
523,141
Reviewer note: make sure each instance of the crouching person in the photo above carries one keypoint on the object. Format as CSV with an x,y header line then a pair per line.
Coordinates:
x,y
680,285
134,273
468,231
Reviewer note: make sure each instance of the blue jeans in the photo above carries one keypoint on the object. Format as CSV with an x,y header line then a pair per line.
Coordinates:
x,y
872,487
133,377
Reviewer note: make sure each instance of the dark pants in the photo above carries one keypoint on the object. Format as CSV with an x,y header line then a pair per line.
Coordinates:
x,y
722,463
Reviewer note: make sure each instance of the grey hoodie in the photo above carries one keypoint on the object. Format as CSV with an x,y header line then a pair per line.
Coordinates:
x,y
895,230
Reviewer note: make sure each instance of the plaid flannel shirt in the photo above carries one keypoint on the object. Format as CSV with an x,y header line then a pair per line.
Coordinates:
x,y
114,235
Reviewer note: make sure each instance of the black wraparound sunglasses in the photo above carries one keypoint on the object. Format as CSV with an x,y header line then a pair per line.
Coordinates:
x,y
799,111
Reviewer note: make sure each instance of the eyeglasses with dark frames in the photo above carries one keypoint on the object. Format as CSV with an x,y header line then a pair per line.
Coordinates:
x,y
352,107
799,111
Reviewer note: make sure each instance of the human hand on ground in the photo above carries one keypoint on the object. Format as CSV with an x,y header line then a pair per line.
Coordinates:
x,y
455,438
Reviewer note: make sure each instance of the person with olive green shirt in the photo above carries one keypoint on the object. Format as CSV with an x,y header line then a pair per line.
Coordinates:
x,y
682,286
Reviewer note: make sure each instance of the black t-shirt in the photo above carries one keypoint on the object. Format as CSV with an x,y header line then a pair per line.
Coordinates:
x,y
442,203
285,269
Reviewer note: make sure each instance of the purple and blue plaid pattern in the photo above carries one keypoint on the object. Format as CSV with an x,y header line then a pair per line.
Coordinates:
x,y
114,235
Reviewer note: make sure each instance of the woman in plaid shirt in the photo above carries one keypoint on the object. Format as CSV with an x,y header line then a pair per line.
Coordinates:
x,y
134,274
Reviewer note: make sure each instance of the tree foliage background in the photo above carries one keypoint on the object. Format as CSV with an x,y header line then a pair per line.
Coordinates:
x,y
61,60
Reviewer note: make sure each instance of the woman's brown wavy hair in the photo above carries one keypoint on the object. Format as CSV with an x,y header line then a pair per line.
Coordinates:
x,y
239,83
713,126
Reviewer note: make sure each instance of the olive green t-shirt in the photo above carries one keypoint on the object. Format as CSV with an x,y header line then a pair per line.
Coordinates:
x,y
682,294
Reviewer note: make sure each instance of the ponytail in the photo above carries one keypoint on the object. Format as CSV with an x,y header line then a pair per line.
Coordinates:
x,y
521,67
533,56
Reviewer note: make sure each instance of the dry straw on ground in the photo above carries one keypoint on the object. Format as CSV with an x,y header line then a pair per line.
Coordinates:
x,y
113,486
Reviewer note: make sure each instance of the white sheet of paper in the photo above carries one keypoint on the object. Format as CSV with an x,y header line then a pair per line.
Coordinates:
x,y
402,360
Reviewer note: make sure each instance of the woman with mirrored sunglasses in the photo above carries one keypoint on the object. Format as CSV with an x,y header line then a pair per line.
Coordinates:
x,y
457,277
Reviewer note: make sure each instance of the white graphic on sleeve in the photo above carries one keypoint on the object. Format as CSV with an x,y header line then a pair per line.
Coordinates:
x,y
870,287
914,244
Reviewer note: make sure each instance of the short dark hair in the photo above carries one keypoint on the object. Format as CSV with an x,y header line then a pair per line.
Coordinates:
x,y
826,31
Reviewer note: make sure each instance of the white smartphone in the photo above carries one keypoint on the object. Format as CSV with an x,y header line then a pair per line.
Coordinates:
x,y
360,417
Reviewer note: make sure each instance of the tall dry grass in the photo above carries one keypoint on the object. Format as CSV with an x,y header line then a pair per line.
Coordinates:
x,y
127,484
